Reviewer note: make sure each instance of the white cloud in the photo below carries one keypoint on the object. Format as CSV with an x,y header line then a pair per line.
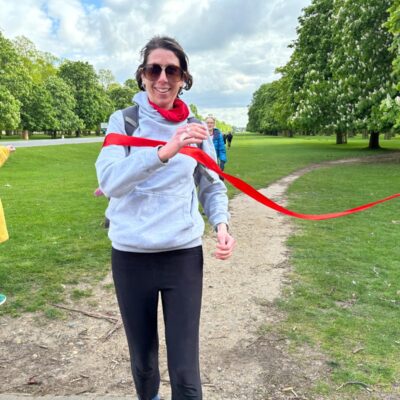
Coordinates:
x,y
233,46
236,116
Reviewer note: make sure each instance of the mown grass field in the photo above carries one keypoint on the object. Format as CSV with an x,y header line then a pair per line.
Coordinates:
x,y
346,292
345,296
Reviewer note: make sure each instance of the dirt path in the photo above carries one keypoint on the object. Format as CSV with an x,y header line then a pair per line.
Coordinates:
x,y
71,356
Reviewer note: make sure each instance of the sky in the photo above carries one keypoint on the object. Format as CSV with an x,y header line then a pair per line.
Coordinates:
x,y
233,46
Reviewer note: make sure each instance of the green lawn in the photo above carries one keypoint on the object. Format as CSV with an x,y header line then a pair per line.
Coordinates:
x,y
260,160
54,221
346,272
346,292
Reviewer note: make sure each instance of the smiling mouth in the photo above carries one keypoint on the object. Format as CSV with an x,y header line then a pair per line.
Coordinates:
x,y
162,90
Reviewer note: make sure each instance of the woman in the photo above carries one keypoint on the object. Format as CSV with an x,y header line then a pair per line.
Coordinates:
x,y
155,224
218,141
4,154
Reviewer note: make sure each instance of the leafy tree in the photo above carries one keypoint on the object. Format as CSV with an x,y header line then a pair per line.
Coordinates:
x,y
9,110
14,75
92,103
283,106
223,126
361,65
63,105
106,78
339,75
121,96
132,84
37,113
391,105
195,112
257,109
308,74
261,118
40,65
268,110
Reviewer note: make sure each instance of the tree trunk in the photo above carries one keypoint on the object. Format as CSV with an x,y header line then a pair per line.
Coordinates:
x,y
341,138
25,134
374,140
388,135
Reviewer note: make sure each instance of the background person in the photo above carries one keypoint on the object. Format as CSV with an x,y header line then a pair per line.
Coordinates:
x,y
218,141
229,138
5,151
155,224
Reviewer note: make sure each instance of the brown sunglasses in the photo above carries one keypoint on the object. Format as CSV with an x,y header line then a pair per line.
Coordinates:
x,y
153,71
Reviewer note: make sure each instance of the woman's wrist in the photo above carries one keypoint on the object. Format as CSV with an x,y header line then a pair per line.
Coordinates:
x,y
222,226
162,154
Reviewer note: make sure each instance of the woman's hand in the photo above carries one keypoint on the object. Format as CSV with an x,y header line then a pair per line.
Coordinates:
x,y
11,148
225,243
185,135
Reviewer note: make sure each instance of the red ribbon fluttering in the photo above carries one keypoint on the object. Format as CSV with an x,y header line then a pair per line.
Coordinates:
x,y
204,159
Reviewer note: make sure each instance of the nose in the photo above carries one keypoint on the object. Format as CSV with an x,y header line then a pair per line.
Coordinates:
x,y
163,76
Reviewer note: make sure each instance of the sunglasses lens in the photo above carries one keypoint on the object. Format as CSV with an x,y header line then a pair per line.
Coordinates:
x,y
153,71
173,72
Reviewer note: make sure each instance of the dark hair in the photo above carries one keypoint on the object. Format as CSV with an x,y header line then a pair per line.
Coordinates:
x,y
167,43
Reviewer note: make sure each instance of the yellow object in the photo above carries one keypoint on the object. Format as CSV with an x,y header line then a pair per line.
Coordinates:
x,y
4,153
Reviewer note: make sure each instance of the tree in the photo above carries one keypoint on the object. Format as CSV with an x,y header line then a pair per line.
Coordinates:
x,y
121,96
9,110
361,65
308,72
40,65
106,78
391,104
132,84
223,126
261,118
92,103
338,75
195,112
256,109
63,104
14,76
37,113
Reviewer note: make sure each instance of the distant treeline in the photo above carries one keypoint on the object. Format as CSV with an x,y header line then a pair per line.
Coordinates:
x,y
41,93
342,77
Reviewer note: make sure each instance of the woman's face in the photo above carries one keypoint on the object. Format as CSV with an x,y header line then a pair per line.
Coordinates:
x,y
164,89
210,124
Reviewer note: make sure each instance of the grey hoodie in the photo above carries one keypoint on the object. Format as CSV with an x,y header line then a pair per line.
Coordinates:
x,y
154,205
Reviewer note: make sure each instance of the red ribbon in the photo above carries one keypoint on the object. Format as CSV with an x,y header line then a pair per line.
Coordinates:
x,y
204,159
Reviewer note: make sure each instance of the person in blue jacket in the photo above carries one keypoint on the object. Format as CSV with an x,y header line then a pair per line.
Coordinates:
x,y
218,141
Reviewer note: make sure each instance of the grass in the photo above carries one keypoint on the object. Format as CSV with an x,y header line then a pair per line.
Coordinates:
x,y
38,136
260,160
55,223
56,237
345,294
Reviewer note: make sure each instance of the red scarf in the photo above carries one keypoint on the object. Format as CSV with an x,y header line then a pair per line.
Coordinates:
x,y
178,113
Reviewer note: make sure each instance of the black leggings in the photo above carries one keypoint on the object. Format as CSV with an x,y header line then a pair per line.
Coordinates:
x,y
178,275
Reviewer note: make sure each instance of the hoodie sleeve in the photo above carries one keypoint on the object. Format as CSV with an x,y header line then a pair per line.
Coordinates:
x,y
118,173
